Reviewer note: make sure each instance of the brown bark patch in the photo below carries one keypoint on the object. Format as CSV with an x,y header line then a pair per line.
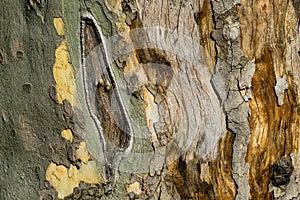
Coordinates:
x,y
107,103
265,37
272,136
204,20
215,183
221,169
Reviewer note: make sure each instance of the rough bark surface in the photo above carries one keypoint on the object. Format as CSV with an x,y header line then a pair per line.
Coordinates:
x,y
150,99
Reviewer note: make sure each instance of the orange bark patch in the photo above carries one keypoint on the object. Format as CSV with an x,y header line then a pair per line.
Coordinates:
x,y
273,135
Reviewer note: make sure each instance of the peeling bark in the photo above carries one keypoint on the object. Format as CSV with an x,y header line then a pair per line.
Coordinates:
x,y
150,99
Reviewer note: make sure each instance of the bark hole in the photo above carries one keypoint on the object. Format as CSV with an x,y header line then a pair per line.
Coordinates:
x,y
282,171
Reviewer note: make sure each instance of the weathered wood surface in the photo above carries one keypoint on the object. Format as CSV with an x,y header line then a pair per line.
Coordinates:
x,y
150,99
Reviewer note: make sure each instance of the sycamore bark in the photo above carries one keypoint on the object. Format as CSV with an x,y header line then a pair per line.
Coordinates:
x,y
150,99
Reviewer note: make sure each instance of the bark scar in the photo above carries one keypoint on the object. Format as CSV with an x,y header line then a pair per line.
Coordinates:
x,y
102,96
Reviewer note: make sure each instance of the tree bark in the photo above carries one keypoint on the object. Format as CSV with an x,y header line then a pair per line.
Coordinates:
x,y
150,99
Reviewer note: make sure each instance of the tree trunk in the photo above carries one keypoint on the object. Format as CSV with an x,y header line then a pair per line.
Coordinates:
x,y
143,99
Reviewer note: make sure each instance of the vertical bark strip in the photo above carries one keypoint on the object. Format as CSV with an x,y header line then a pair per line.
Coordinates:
x,y
232,80
102,96
271,37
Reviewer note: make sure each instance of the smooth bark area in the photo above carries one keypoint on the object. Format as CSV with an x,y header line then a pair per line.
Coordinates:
x,y
150,99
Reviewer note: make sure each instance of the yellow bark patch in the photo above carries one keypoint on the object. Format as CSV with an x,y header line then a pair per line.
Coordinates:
x,y
59,25
64,180
135,187
122,27
82,152
64,74
114,5
131,63
67,134
151,110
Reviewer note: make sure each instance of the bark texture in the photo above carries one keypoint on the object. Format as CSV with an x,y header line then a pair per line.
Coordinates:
x,y
150,99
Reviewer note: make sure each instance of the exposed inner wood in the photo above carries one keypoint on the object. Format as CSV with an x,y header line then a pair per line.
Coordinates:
x,y
270,36
272,133
107,103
